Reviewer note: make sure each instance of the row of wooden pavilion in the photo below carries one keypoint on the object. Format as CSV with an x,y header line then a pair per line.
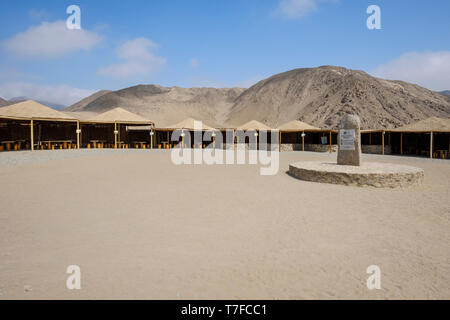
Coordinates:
x,y
31,125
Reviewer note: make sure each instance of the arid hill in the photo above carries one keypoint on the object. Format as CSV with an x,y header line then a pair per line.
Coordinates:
x,y
81,105
3,103
321,96
166,106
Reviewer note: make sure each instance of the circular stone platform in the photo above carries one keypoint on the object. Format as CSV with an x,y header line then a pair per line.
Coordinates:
x,y
369,174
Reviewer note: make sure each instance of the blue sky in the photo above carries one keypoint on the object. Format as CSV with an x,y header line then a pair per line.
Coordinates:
x,y
213,43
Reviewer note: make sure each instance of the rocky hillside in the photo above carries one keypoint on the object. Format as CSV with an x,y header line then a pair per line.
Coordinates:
x,y
321,96
81,105
3,102
166,106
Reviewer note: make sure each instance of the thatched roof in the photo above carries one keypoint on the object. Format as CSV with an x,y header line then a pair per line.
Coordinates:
x,y
28,110
81,115
188,124
119,115
296,125
431,124
254,125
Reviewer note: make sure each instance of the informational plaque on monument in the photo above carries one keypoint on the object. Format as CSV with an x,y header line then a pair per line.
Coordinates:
x,y
347,139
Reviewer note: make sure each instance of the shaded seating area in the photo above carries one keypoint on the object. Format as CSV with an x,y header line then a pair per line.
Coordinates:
x,y
300,136
427,138
376,142
187,135
30,125
250,133
117,128
14,134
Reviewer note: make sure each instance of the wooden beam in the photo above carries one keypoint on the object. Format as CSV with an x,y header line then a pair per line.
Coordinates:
x,y
151,139
370,138
431,145
78,134
401,143
182,139
303,141
331,147
32,135
115,135
382,142
279,142
118,134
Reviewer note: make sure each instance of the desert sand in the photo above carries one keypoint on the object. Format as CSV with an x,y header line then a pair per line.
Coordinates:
x,y
141,227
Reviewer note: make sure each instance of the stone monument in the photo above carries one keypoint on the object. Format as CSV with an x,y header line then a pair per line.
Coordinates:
x,y
350,171
349,141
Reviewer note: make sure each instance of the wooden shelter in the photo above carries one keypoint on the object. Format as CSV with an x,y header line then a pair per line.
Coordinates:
x,y
429,137
117,128
253,127
29,124
296,135
187,126
377,141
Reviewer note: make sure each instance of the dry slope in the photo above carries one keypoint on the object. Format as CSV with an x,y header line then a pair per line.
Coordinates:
x,y
321,96
3,103
166,106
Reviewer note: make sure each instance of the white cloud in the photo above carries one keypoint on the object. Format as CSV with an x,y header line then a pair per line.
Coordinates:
x,y
139,60
293,9
49,40
427,69
38,14
193,63
61,94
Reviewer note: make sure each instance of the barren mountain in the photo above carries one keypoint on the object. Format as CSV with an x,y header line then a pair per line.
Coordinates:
x,y
80,105
318,96
166,106
321,96
3,103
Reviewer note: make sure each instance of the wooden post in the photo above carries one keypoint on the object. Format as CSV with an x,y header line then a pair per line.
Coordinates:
x,y
401,143
431,145
151,139
279,142
115,135
182,139
331,147
118,133
78,134
382,142
370,138
32,135
303,141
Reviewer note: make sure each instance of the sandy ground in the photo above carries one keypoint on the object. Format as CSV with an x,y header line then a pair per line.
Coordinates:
x,y
141,227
